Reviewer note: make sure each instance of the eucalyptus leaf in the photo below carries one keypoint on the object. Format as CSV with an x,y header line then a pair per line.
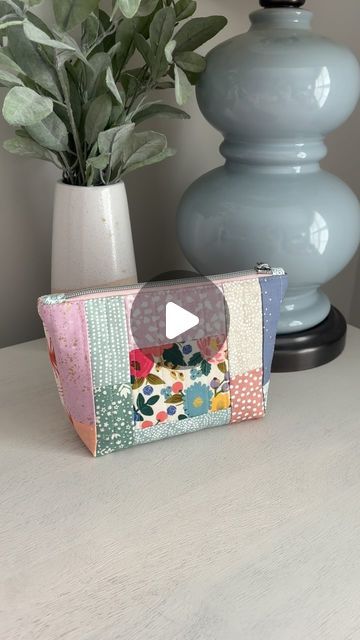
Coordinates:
x,y
36,35
25,53
119,145
162,27
147,7
115,49
108,39
128,8
90,175
183,87
163,86
154,159
161,30
9,79
33,3
96,73
110,83
62,112
40,24
90,32
7,5
24,107
50,133
7,64
70,13
145,49
142,24
106,139
159,110
125,35
73,49
184,9
116,117
100,94
99,162
131,80
99,62
26,147
143,146
97,117
190,61
197,31
74,75
169,50
10,23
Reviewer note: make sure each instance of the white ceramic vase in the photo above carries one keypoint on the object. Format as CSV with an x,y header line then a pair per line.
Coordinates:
x,y
92,242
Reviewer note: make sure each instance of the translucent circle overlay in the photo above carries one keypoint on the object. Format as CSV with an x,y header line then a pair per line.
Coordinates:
x,y
192,292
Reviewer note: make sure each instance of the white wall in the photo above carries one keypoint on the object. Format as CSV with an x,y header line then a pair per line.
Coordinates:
x,y
26,188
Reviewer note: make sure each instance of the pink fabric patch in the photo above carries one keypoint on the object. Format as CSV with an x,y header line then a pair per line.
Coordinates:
x,y
247,400
66,331
129,301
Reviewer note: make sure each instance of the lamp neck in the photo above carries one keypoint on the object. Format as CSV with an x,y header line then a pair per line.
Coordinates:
x,y
284,19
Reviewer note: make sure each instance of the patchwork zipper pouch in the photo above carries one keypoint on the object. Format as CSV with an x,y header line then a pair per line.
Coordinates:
x,y
138,364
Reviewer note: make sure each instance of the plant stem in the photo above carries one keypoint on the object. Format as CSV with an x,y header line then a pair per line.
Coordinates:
x,y
139,89
105,34
66,165
75,133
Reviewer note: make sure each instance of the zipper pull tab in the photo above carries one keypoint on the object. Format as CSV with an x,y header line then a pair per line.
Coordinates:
x,y
263,267
53,298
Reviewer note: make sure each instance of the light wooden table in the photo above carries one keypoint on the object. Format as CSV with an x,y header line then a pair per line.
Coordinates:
x,y
250,532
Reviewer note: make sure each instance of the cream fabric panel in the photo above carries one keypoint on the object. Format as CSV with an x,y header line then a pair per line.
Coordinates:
x,y
245,333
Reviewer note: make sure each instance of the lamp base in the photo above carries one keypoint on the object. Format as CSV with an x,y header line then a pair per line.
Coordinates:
x,y
312,348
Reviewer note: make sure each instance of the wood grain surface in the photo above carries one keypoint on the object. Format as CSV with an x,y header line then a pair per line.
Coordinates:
x,y
249,532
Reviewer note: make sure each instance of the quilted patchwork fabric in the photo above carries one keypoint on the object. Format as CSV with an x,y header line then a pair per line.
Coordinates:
x,y
118,393
191,425
66,333
114,418
146,326
273,292
179,381
247,398
107,329
245,325
108,346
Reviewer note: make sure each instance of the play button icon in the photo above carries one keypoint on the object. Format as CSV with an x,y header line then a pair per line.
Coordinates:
x,y
179,320
174,315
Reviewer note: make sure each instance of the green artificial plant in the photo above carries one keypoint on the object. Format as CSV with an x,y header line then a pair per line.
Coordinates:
x,y
78,90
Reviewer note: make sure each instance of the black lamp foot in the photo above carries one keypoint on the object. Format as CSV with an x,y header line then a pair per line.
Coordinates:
x,y
311,348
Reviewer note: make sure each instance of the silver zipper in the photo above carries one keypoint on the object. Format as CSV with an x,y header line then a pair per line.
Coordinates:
x,y
261,268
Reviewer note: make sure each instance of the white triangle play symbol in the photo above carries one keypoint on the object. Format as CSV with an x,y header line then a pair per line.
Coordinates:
x,y
178,320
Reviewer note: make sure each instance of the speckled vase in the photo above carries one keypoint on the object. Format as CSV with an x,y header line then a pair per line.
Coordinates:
x,y
92,242
274,93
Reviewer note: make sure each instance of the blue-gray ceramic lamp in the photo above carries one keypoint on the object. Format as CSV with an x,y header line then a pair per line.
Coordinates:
x,y
275,93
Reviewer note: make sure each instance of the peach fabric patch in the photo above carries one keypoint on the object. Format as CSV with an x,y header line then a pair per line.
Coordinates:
x,y
87,433
247,400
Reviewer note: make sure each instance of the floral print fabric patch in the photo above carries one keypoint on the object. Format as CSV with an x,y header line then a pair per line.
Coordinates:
x,y
179,380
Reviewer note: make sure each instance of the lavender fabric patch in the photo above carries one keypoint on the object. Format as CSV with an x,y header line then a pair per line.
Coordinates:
x,y
273,292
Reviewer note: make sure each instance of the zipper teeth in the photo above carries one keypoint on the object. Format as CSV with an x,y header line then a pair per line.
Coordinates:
x,y
262,269
160,283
